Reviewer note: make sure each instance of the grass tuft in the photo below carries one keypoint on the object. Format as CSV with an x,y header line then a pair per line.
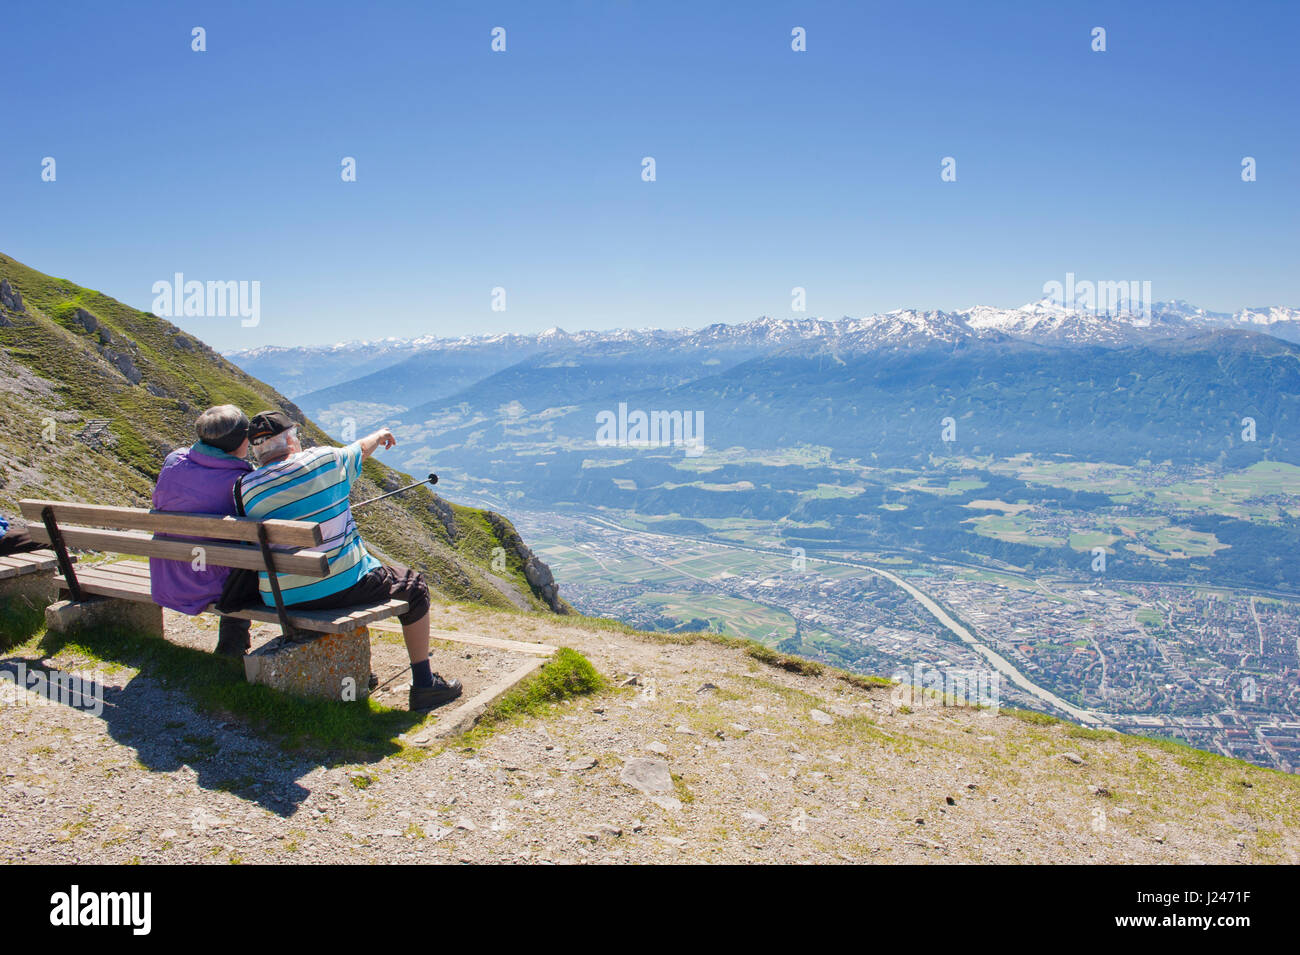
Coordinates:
x,y
1029,716
864,682
566,675
783,660
1087,732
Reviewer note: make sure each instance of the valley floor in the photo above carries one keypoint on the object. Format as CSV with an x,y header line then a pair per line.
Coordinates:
x,y
767,766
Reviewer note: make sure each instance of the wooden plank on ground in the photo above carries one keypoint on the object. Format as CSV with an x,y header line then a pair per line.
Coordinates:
x,y
307,563
466,714
243,529
478,640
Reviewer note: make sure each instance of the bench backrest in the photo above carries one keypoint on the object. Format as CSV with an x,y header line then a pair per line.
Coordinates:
x,y
226,541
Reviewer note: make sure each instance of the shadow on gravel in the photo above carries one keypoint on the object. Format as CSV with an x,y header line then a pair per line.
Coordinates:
x,y
190,708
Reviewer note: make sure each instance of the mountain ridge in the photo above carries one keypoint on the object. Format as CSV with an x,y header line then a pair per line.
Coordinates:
x,y
1170,316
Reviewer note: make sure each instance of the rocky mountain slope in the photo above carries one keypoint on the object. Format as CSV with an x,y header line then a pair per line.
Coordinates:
x,y
94,394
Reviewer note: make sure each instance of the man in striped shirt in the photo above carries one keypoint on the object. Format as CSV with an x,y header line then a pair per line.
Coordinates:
x,y
313,485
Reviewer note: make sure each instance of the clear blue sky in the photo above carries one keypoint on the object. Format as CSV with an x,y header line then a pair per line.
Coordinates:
x,y
523,170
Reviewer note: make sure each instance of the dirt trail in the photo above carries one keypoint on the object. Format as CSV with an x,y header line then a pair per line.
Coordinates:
x,y
766,765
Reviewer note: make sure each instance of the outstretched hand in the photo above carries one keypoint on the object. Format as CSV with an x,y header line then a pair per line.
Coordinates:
x,y
383,438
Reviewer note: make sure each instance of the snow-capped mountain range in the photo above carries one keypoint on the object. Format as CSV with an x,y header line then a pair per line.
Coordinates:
x,y
1043,322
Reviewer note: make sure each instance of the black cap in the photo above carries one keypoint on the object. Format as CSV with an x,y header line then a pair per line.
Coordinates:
x,y
268,424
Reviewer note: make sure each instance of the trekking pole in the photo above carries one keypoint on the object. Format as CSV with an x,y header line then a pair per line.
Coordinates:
x,y
431,479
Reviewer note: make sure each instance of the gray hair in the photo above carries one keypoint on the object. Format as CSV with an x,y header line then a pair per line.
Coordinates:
x,y
219,421
276,446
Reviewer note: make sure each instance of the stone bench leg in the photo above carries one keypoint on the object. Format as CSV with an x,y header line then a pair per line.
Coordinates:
x,y
36,590
66,616
332,666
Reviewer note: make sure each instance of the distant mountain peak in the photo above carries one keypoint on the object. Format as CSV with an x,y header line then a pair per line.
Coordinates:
x,y
1044,321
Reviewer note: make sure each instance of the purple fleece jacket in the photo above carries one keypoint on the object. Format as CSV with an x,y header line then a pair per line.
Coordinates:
x,y
200,479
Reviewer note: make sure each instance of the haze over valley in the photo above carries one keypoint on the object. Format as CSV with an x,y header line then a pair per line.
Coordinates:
x,y
1099,506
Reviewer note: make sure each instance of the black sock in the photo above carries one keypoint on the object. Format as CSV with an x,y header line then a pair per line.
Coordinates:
x,y
423,673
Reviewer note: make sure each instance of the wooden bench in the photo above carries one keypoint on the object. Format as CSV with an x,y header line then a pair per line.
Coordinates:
x,y
120,591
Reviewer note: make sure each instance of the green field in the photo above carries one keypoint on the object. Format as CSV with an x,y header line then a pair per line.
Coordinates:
x,y
1087,540
739,618
940,487
1186,542
579,564
1014,528
822,491
1267,491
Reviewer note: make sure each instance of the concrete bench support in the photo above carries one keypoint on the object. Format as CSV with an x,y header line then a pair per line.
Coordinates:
x,y
29,578
333,666
36,590
68,615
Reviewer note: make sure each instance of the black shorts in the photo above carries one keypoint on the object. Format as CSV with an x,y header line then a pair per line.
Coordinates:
x,y
382,583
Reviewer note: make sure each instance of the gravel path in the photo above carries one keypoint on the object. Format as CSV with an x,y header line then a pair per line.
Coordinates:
x,y
707,756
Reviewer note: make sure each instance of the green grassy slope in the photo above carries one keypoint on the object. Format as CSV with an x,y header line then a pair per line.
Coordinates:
x,y
94,394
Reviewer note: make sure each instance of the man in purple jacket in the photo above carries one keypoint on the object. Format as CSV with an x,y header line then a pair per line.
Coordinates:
x,y
200,479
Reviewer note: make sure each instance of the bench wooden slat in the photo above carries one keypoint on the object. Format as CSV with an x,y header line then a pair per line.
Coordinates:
x,y
98,582
355,616
132,567
108,580
29,557
240,529
7,572
328,621
306,563
109,571
20,565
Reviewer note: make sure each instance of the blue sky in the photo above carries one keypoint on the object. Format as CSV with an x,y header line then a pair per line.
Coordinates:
x,y
522,169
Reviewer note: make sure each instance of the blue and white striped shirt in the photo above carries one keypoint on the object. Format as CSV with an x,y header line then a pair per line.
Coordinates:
x,y
318,479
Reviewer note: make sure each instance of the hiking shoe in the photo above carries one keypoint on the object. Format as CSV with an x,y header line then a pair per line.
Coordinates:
x,y
431,697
